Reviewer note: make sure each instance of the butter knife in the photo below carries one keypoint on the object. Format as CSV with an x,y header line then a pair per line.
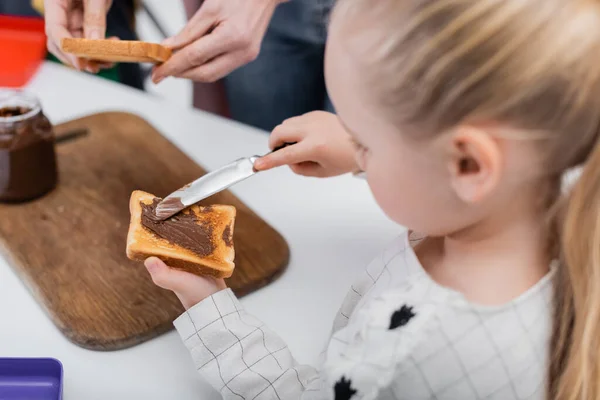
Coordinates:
x,y
207,185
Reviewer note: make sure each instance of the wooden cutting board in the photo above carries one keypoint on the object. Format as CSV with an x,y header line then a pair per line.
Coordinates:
x,y
69,246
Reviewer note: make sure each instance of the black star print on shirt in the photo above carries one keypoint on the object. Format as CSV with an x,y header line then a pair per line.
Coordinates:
x,y
401,317
343,389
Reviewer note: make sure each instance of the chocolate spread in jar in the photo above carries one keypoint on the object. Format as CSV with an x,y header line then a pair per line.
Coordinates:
x,y
183,229
27,158
13,111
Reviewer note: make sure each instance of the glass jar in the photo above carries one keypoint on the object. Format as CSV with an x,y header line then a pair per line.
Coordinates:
x,y
27,157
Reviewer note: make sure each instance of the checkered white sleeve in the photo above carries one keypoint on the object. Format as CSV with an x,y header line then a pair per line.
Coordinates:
x,y
399,335
238,355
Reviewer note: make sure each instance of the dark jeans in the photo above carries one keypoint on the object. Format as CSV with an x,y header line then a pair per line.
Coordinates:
x,y
286,79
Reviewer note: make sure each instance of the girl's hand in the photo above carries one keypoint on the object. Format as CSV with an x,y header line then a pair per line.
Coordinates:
x,y
322,146
189,288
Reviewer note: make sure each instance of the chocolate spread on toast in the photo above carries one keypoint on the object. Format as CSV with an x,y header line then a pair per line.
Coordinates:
x,y
183,229
227,236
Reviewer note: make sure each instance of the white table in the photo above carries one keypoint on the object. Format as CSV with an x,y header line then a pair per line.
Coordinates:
x,y
333,227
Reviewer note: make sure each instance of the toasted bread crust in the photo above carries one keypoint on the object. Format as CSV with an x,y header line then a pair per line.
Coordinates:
x,y
116,50
143,243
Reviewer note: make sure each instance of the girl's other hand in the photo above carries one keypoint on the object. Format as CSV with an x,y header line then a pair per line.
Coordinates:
x,y
322,147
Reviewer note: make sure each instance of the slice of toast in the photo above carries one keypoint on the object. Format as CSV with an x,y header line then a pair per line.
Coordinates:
x,y
214,231
116,50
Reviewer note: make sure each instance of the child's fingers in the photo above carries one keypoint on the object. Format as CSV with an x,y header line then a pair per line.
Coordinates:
x,y
292,154
308,168
167,278
159,271
285,133
297,120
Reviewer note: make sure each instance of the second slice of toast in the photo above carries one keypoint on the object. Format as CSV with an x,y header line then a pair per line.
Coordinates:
x,y
116,50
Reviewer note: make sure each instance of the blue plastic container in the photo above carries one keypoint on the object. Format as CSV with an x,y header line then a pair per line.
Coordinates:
x,y
30,378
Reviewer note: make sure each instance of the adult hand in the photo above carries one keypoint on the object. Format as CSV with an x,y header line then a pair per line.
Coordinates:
x,y
190,289
75,18
221,36
322,146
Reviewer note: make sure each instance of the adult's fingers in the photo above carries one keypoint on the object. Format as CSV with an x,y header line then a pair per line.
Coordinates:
x,y
56,21
292,154
94,19
64,58
198,26
56,30
187,62
213,70
97,65
104,64
94,66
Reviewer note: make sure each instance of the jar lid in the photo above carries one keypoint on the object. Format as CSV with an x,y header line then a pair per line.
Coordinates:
x,y
19,106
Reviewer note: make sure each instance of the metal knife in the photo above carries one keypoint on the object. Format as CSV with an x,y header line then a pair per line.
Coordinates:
x,y
207,185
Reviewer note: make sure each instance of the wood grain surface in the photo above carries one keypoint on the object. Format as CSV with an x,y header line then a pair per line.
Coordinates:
x,y
69,246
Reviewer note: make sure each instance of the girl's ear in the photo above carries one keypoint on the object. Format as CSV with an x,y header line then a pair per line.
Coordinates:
x,y
475,164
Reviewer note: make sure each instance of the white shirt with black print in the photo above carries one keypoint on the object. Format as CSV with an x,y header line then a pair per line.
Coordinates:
x,y
398,335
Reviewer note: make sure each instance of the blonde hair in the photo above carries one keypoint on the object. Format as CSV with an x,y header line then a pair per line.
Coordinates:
x,y
529,64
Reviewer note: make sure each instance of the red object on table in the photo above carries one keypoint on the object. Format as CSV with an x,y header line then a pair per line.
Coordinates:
x,y
22,49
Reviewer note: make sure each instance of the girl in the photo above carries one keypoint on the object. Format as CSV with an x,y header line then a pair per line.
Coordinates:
x,y
466,114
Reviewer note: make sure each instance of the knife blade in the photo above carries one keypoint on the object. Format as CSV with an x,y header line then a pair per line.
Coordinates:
x,y
205,186
209,184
